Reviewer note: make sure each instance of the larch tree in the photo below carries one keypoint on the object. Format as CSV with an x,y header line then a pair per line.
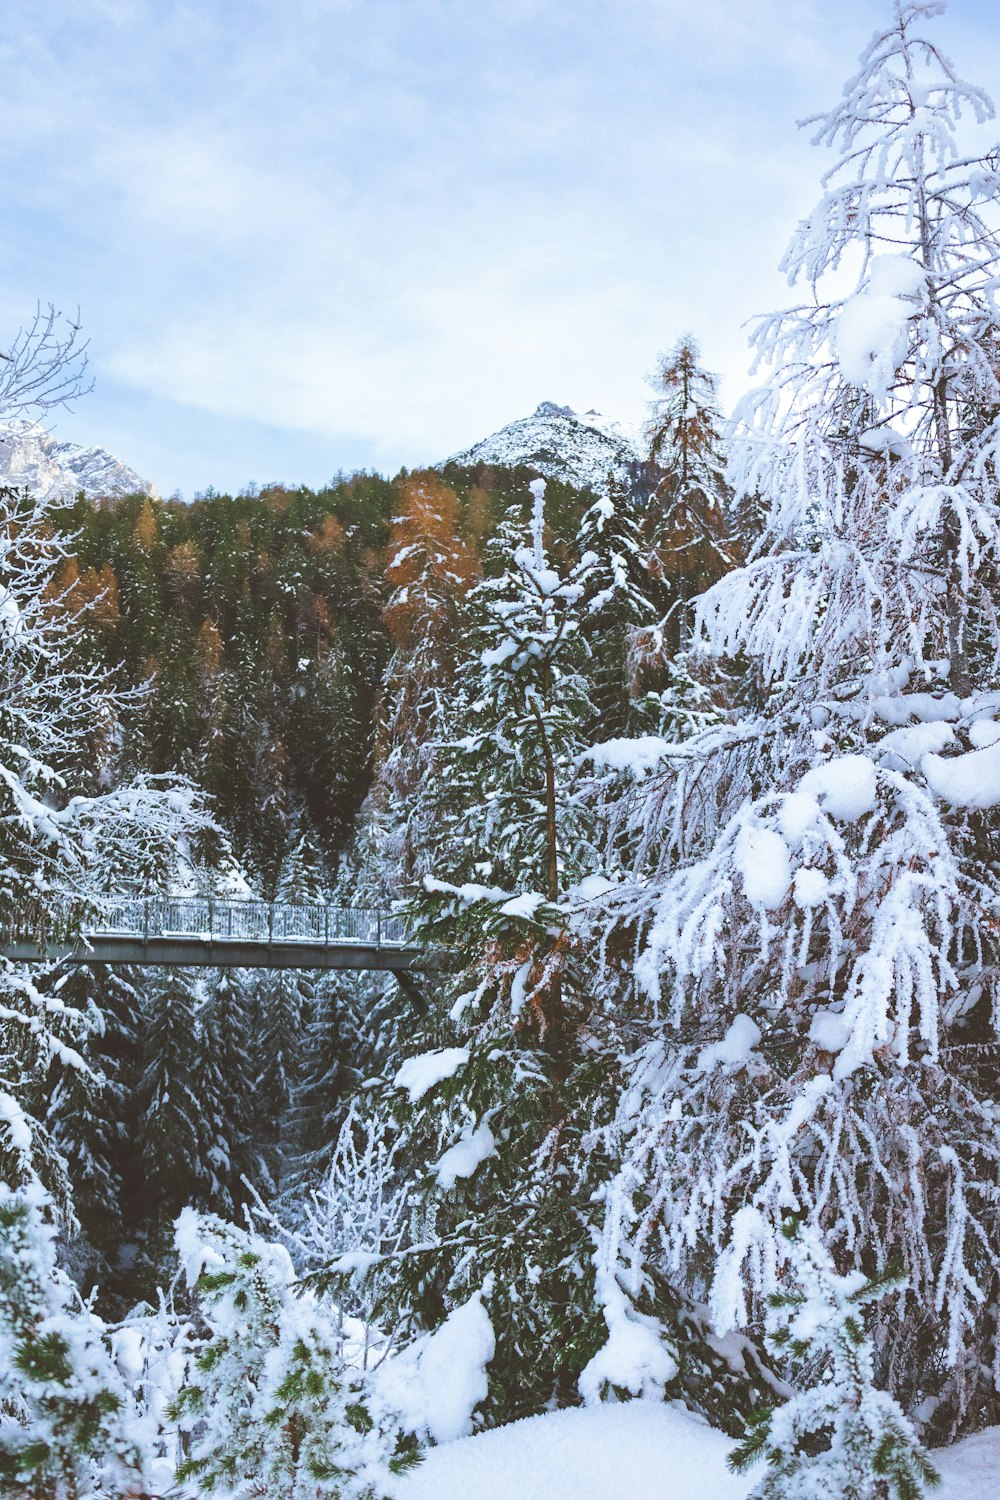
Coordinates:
x,y
688,524
813,909
430,568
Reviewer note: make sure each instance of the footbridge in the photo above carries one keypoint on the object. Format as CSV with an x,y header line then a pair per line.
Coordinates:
x,y
209,932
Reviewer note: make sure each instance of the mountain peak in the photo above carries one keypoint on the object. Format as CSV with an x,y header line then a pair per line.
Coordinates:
x,y
589,451
550,409
31,458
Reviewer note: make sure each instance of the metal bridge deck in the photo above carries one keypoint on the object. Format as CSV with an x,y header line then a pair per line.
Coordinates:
x,y
207,932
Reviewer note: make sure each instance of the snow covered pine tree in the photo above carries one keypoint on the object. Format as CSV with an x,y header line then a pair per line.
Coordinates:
x,y
63,1427
59,832
497,1122
813,893
843,1439
269,1404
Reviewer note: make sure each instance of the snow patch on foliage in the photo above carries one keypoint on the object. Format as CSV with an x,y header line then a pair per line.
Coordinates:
x,y
971,780
905,748
734,1049
467,1154
845,788
636,757
871,331
761,857
420,1073
437,1382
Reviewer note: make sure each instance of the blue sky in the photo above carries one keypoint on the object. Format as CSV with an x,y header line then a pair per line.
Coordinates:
x,y
361,233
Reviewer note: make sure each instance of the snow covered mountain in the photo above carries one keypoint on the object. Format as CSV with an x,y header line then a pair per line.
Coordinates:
x,y
30,457
560,444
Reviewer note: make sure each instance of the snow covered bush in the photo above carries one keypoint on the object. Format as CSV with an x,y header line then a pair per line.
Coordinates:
x,y
842,1437
812,908
64,1432
270,1405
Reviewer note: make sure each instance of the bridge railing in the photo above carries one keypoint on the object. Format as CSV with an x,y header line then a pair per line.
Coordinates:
x,y
222,919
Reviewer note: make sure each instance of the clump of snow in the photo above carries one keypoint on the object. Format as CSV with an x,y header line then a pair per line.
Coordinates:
x,y
525,905
592,888
735,1047
845,788
467,1154
468,893
971,780
884,440
871,332
420,1073
929,708
439,1380
829,1030
761,856
796,816
903,748
982,733
809,888
634,1358
636,757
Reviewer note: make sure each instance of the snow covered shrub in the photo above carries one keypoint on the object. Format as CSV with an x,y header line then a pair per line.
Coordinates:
x,y
270,1406
812,908
63,1428
842,1438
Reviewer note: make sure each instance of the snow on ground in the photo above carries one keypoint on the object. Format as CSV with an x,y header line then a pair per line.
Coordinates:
x,y
640,1450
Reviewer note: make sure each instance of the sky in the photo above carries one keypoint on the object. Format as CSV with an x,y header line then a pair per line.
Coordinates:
x,y
307,236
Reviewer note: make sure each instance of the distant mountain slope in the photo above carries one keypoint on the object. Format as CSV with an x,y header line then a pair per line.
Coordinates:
x,y
30,457
581,450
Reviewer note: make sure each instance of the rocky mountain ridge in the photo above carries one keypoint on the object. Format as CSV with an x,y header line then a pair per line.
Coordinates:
x,y
30,457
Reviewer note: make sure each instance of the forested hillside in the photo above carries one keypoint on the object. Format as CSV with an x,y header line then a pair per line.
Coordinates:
x,y
255,628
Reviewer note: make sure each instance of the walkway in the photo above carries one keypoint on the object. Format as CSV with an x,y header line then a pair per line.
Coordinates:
x,y
211,933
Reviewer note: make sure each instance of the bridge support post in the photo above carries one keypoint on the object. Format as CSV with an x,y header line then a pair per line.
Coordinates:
x,y
411,989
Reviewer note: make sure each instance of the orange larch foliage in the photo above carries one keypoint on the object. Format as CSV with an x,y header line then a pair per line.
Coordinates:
x,y
330,536
430,565
147,527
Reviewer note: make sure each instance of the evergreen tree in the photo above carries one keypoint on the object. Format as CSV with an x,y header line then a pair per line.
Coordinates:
x,y
688,526
91,1114
270,1405
228,1092
624,598
181,1150
842,1438
491,1129
811,900
331,1059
